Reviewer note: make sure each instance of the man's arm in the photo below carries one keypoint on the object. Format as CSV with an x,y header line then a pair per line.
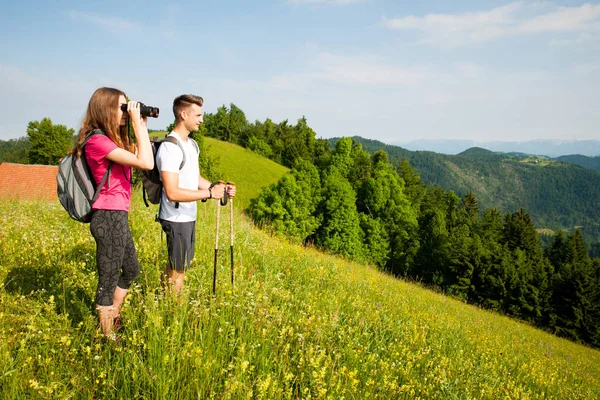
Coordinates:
x,y
203,184
175,193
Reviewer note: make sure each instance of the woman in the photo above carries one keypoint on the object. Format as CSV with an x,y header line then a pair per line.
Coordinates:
x,y
116,257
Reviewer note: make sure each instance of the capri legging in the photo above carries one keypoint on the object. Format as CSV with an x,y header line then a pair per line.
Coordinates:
x,y
116,258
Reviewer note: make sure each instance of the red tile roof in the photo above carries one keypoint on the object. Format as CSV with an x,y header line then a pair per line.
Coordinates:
x,y
28,182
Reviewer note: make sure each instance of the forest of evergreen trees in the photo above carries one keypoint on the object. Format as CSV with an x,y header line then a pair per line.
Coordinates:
x,y
356,204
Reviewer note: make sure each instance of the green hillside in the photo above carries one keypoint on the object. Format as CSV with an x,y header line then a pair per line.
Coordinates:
x,y
297,324
557,195
247,169
584,161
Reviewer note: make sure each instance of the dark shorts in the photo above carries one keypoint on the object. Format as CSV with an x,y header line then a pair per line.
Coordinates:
x,y
116,258
181,237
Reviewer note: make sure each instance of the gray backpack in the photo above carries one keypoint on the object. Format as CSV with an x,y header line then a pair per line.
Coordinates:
x,y
76,187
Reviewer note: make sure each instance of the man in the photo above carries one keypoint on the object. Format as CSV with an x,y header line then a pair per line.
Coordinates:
x,y
181,189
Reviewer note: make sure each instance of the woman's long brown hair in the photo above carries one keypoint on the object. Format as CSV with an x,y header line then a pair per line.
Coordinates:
x,y
102,113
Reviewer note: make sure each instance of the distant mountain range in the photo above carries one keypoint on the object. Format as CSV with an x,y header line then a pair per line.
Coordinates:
x,y
550,148
558,193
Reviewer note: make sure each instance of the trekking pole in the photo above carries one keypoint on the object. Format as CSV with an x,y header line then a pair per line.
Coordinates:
x,y
214,288
216,250
231,232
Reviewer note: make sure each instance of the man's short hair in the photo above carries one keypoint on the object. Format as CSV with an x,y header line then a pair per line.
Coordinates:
x,y
185,100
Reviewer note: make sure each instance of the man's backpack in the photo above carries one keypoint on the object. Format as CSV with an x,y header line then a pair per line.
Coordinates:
x,y
152,184
76,188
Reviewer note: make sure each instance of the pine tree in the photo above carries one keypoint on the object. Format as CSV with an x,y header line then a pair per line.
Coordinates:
x,y
432,255
361,168
522,240
471,205
227,124
573,288
382,197
340,230
413,186
341,156
592,322
585,295
375,240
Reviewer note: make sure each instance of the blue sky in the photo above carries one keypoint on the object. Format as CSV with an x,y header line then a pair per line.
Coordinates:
x,y
395,71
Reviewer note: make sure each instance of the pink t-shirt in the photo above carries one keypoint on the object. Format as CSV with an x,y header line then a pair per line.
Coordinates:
x,y
116,192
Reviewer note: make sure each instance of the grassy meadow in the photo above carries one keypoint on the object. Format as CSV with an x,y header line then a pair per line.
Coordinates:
x,y
248,170
296,324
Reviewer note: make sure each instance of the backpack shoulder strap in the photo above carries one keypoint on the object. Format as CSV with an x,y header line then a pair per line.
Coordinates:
x,y
195,145
110,164
173,140
90,135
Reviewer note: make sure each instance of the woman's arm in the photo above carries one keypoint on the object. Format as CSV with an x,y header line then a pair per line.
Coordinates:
x,y
144,158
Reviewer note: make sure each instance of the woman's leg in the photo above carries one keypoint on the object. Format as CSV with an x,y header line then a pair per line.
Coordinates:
x,y
107,228
130,267
118,300
106,317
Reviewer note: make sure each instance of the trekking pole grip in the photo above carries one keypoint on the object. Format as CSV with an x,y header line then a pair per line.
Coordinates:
x,y
213,185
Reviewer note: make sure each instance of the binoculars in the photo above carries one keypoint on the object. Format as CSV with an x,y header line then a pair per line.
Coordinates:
x,y
147,111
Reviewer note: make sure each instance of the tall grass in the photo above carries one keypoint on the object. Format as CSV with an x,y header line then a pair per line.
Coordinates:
x,y
296,324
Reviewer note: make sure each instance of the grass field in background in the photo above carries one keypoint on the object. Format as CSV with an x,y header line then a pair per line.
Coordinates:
x,y
297,324
247,169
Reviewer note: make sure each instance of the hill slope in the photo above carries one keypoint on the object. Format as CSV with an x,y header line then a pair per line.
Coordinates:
x,y
250,171
584,161
297,324
556,194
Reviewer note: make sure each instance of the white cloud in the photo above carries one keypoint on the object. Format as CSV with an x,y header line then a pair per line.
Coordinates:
x,y
113,24
581,39
565,19
525,77
516,18
360,71
471,70
587,70
366,71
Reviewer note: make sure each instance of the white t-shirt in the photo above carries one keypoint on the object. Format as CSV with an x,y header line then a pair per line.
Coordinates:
x,y
168,158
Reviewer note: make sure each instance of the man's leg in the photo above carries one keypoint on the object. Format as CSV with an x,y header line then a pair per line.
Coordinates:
x,y
174,278
180,244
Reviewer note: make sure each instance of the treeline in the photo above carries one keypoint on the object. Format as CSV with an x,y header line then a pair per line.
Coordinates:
x,y
45,144
14,150
359,205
